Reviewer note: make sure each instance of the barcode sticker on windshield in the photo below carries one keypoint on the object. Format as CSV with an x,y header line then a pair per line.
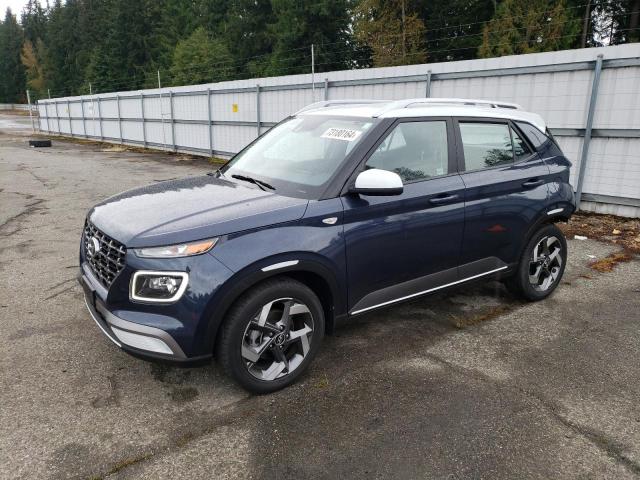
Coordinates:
x,y
342,134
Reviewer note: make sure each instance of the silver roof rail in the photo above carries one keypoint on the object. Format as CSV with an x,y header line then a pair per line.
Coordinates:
x,y
447,101
332,103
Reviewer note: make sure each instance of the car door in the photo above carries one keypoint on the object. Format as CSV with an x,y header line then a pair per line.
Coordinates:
x,y
506,186
399,246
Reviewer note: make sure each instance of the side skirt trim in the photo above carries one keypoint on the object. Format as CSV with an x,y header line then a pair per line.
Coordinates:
x,y
427,291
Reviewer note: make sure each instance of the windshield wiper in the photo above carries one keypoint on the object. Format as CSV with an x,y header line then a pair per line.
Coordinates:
x,y
259,183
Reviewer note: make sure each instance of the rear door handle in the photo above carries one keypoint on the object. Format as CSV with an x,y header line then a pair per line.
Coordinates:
x,y
534,182
443,199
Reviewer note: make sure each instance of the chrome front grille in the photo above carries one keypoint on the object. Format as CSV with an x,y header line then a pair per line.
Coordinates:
x,y
104,255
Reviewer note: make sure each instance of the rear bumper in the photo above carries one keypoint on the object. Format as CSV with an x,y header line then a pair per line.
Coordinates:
x,y
139,340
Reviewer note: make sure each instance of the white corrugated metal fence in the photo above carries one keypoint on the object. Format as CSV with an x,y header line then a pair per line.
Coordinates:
x,y
221,118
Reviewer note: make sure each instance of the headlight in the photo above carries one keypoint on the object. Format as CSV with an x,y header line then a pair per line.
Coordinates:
x,y
160,287
174,251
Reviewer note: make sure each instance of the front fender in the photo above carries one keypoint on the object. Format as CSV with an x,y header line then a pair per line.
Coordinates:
x,y
295,264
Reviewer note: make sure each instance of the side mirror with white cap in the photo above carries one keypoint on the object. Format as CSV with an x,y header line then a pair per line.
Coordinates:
x,y
377,182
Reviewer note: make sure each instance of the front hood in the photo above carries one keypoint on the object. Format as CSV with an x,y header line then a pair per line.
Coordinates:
x,y
193,208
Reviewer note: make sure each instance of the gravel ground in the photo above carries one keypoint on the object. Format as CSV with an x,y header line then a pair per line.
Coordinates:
x,y
467,384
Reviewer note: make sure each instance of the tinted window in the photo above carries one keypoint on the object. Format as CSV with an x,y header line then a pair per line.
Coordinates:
x,y
520,148
414,150
535,136
485,144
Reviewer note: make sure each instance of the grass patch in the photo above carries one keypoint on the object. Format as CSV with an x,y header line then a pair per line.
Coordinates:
x,y
608,263
217,161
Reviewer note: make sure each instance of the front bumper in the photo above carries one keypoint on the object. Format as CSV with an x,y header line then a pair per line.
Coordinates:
x,y
140,340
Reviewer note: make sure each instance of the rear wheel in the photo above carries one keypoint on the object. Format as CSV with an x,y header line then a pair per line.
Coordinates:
x,y
271,335
541,266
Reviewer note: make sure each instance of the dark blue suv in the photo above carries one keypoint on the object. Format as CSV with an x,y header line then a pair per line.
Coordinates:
x,y
341,209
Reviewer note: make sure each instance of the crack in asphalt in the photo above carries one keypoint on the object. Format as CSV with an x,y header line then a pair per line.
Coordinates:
x,y
223,417
611,448
24,168
64,290
61,283
29,209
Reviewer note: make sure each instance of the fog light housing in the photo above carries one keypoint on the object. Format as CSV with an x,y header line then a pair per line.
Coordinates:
x,y
142,342
158,287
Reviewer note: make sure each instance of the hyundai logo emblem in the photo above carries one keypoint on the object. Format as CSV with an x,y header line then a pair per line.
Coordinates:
x,y
93,246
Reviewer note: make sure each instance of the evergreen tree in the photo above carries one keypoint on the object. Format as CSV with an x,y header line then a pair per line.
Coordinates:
x,y
298,25
34,21
394,33
528,26
30,58
454,27
200,59
12,76
245,31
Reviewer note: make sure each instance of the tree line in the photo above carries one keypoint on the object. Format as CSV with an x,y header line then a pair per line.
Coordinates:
x,y
79,46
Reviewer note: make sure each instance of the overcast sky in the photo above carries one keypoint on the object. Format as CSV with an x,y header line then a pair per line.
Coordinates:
x,y
16,6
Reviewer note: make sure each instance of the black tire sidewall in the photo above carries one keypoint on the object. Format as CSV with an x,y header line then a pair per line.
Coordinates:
x,y
235,324
522,276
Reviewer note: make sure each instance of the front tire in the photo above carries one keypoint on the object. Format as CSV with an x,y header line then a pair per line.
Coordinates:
x,y
271,335
541,265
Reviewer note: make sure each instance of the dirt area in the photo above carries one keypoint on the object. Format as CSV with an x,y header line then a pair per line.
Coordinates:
x,y
606,228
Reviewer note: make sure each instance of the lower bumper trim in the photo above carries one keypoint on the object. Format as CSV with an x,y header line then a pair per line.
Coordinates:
x,y
125,334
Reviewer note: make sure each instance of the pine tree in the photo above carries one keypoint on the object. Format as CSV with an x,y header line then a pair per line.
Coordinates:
x,y
245,31
454,27
30,58
200,59
12,76
394,34
298,25
528,26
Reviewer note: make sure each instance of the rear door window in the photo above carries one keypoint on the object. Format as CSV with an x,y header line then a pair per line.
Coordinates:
x,y
486,144
520,148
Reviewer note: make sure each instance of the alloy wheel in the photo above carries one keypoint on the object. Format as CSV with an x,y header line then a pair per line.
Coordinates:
x,y
277,339
545,263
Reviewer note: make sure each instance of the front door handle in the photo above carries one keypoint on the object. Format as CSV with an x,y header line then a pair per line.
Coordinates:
x,y
534,182
443,199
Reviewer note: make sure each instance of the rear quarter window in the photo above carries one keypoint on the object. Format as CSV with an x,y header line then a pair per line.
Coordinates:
x,y
535,136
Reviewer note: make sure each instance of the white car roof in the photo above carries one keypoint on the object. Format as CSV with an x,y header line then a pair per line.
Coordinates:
x,y
425,107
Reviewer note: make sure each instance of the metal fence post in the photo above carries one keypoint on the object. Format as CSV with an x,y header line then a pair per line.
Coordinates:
x,y
100,119
209,125
258,108
326,89
69,115
55,104
144,133
173,124
119,118
84,126
33,128
427,92
584,157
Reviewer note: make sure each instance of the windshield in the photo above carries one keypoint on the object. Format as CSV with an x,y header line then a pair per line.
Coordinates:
x,y
299,156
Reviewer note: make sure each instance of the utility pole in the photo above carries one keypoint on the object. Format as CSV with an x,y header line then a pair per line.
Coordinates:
x,y
404,35
313,73
585,25
33,128
93,111
164,138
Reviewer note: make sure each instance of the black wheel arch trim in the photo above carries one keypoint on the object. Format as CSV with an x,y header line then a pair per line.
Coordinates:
x,y
251,275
